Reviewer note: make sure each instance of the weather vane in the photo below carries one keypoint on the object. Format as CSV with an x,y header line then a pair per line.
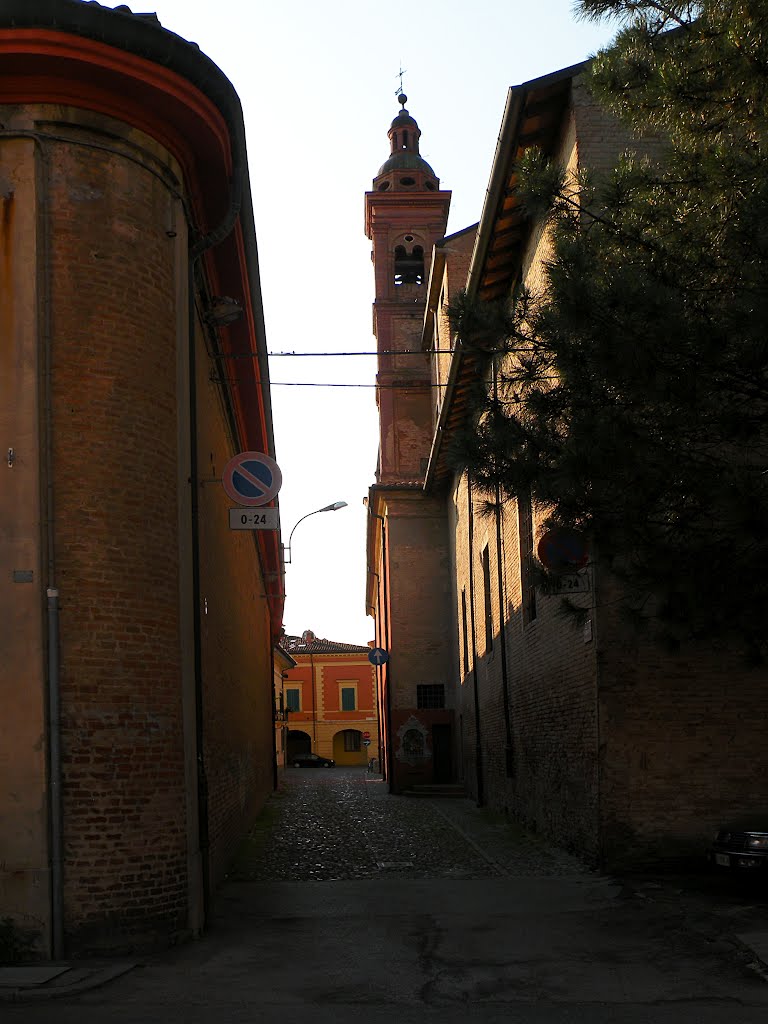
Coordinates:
x,y
400,74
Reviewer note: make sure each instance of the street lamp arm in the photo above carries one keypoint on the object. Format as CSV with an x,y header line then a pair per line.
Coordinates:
x,y
334,507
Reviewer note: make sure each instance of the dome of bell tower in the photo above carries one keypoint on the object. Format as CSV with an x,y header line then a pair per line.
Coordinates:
x,y
405,169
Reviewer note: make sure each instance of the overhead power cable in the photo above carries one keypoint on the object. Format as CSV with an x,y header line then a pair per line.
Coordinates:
x,y
314,355
319,384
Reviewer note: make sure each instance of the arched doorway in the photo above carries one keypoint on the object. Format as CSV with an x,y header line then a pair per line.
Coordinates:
x,y
348,747
298,743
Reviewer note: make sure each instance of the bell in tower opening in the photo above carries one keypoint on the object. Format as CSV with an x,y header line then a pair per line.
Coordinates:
x,y
409,266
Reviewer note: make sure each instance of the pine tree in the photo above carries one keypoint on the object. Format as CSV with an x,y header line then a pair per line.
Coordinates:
x,y
631,395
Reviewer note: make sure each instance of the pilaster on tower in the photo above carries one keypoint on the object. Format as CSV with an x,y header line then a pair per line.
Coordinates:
x,y
405,214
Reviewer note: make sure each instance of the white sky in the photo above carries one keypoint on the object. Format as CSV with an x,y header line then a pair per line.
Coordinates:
x,y
317,81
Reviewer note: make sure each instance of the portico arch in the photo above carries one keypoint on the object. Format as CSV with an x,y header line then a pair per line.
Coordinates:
x,y
348,747
298,743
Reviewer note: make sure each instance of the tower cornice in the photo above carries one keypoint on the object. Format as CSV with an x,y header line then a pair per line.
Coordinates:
x,y
399,206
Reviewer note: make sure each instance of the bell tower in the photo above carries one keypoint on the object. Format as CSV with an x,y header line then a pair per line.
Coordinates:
x,y
408,590
405,214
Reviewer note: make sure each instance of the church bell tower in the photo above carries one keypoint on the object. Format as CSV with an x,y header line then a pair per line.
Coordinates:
x,y
408,589
405,214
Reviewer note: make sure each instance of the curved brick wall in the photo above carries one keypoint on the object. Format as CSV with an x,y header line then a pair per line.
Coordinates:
x,y
113,296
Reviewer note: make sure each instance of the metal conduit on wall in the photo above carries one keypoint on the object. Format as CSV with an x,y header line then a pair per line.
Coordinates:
x,y
475,680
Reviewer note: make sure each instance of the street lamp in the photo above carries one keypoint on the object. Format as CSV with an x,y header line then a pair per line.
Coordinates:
x,y
327,508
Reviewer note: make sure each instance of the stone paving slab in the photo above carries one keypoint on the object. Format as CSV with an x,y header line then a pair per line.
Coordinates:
x,y
30,974
26,983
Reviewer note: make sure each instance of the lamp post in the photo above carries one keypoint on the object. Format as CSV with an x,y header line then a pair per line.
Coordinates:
x,y
327,508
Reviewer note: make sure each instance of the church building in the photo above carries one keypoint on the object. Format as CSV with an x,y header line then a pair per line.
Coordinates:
x,y
586,732
136,628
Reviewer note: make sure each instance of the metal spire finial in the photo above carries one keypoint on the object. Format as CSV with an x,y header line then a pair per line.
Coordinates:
x,y
400,74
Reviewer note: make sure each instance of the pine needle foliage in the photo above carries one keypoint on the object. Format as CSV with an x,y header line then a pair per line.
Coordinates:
x,y
630,395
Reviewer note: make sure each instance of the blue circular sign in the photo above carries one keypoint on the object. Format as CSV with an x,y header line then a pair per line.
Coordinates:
x,y
378,656
252,478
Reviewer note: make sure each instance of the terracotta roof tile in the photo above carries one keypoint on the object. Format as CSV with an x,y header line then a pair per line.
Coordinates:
x,y
295,645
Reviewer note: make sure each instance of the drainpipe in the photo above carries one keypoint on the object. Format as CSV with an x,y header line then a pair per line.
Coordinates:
x,y
508,748
388,667
55,810
274,715
379,708
196,252
386,761
475,682
314,701
54,778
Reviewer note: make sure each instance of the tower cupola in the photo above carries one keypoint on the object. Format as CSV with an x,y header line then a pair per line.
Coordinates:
x,y
405,170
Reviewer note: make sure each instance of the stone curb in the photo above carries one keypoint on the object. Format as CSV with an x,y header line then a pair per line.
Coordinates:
x,y
86,977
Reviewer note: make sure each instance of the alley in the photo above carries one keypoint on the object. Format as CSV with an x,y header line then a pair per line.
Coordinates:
x,y
342,824
348,903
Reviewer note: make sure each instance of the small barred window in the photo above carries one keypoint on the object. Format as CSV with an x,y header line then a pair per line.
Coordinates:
x,y
430,695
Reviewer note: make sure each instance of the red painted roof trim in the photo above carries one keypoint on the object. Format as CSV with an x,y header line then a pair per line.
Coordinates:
x,y
43,65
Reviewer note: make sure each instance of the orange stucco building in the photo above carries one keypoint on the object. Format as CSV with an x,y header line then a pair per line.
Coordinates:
x,y
329,701
136,629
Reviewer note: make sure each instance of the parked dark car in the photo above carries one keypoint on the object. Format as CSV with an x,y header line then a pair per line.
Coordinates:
x,y
312,761
741,844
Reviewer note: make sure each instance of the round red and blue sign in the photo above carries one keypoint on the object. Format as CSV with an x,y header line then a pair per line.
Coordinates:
x,y
563,550
252,478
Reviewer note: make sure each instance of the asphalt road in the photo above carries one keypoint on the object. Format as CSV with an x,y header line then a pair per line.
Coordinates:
x,y
349,904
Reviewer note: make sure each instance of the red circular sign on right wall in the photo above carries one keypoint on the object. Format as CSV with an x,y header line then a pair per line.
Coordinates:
x,y
563,550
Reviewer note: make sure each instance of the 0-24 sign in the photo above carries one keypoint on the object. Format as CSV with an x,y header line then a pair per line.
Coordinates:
x,y
253,519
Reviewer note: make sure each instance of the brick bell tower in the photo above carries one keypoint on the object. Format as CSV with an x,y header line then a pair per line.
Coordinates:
x,y
408,587
405,214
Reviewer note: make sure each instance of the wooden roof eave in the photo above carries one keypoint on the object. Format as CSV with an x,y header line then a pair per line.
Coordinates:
x,y
532,100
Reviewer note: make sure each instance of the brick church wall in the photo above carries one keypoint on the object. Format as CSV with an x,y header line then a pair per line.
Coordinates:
x,y
112,279
120,430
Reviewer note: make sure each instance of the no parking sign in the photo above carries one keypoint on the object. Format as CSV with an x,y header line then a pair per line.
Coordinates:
x,y
252,478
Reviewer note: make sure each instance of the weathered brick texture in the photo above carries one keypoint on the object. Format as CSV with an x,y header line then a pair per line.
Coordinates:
x,y
120,414
114,476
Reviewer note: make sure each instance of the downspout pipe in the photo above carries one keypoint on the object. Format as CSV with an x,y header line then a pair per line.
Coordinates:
x,y
195,253
314,700
388,667
275,776
386,766
509,760
379,689
55,807
475,680
54,778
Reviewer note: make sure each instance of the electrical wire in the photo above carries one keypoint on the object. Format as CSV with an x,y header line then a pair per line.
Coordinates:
x,y
313,355
318,384
384,352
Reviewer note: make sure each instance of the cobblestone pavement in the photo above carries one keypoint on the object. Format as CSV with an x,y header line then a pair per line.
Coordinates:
x,y
325,824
